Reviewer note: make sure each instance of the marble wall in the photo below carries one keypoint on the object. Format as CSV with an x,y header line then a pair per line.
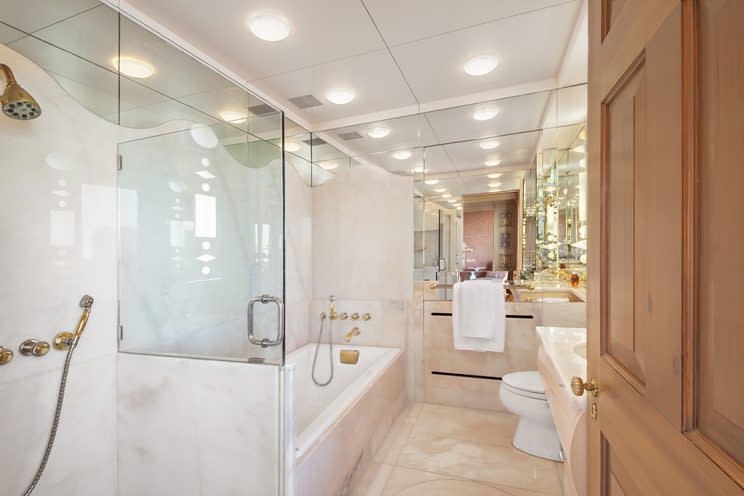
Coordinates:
x,y
57,206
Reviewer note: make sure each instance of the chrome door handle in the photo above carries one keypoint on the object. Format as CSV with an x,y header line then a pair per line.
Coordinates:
x,y
264,299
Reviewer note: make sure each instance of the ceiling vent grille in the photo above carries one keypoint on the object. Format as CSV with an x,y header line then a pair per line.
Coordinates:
x,y
352,135
262,109
305,101
314,142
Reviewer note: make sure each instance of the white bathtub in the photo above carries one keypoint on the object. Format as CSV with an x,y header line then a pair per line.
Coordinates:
x,y
338,426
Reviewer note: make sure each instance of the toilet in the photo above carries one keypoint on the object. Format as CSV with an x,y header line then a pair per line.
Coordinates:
x,y
523,394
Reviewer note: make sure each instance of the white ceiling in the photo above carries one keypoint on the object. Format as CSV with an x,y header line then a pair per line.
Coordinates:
x,y
396,56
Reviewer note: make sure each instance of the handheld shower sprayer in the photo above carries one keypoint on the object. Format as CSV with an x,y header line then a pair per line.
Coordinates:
x,y
16,102
62,341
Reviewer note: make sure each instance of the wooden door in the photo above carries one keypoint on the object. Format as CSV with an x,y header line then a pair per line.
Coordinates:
x,y
666,183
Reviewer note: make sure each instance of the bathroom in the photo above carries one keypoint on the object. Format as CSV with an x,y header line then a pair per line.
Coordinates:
x,y
343,248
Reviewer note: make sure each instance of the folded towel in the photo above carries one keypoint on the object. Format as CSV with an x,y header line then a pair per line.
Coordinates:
x,y
479,315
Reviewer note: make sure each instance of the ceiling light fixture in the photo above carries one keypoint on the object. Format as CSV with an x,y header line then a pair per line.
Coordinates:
x,y
494,184
485,114
378,132
431,181
340,96
402,155
268,26
233,116
447,195
494,175
134,68
491,163
419,170
329,165
489,144
292,147
479,66
452,201
440,190
582,163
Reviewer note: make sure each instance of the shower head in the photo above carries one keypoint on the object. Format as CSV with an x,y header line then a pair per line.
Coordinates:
x,y
16,102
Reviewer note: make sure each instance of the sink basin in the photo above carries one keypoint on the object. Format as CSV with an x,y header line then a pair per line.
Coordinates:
x,y
580,349
547,296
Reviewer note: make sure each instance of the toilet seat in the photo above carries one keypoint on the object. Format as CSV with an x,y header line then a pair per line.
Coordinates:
x,y
528,384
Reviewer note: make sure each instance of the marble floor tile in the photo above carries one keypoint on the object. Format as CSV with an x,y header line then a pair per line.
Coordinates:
x,y
481,426
504,465
438,450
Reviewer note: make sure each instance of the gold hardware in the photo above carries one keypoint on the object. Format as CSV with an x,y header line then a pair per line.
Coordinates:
x,y
354,316
595,410
354,332
343,316
62,341
34,347
366,317
323,315
350,356
578,386
433,285
6,355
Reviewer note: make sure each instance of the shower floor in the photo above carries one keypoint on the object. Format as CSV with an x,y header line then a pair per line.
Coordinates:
x,y
436,450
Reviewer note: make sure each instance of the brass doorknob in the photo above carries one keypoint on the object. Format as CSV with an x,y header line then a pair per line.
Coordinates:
x,y
578,386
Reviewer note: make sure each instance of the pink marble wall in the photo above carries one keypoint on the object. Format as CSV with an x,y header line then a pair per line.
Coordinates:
x,y
478,235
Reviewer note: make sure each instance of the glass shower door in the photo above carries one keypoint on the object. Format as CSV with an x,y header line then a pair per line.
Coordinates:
x,y
201,245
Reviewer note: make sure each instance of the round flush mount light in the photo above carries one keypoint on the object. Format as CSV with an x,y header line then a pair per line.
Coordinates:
x,y
431,181
447,195
419,170
329,165
485,114
452,201
233,116
132,67
402,155
378,132
489,144
491,163
268,26
494,184
494,175
204,136
440,190
340,96
291,146
479,66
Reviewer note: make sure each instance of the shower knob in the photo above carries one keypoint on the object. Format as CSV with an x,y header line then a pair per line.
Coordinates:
x,y
34,347
6,355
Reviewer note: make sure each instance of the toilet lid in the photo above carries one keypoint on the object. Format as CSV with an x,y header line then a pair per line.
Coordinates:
x,y
530,382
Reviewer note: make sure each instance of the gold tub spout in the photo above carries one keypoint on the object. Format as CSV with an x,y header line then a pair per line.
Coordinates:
x,y
354,332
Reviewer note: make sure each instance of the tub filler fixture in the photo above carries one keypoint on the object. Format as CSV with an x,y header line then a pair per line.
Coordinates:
x,y
338,427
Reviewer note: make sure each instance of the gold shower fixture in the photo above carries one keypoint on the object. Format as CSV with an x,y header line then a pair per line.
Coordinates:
x,y
16,102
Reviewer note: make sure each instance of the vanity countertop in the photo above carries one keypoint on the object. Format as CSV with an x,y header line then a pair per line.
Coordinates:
x,y
565,348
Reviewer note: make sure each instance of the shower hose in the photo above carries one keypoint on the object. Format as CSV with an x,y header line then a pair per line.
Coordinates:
x,y
330,351
55,424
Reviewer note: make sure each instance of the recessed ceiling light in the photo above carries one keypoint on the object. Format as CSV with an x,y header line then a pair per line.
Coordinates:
x,y
447,195
268,26
494,175
431,181
291,146
205,161
494,184
135,68
328,165
478,66
378,132
440,190
452,201
489,144
340,96
233,116
402,154
582,163
491,163
485,114
419,170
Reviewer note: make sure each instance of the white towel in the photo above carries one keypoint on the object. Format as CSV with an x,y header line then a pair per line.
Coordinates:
x,y
479,315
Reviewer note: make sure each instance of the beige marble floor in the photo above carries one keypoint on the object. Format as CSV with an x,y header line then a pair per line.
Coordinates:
x,y
437,450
